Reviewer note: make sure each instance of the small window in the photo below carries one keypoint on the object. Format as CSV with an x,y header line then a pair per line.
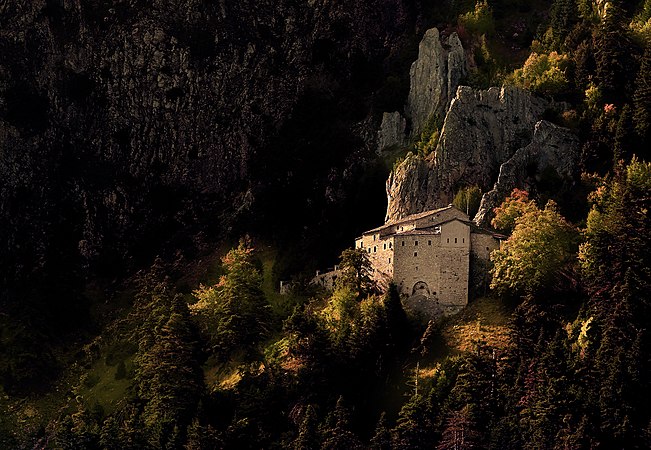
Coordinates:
x,y
486,248
448,240
429,242
463,241
384,247
369,249
416,243
403,243
374,249
389,260
455,240
373,237
415,253
390,245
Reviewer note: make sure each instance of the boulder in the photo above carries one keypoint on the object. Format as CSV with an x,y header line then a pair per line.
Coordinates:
x,y
392,131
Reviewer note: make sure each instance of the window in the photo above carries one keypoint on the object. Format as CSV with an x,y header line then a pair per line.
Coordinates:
x,y
486,248
415,253
373,237
455,240
390,245
429,242
403,243
374,249
448,240
463,241
384,247
416,243
389,260
369,249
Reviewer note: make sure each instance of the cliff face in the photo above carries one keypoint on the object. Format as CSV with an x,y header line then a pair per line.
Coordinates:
x,y
551,157
434,77
433,81
482,130
125,123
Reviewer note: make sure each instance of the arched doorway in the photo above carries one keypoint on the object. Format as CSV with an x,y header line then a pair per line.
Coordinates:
x,y
420,288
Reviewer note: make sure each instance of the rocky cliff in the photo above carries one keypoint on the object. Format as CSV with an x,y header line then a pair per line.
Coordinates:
x,y
551,157
433,81
434,78
131,128
482,130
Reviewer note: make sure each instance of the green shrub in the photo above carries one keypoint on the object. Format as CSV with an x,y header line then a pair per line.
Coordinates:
x,y
480,21
543,74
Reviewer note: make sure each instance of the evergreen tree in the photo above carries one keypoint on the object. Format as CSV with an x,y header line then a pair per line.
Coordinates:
x,y
170,379
338,435
308,434
415,428
642,103
234,313
563,15
355,273
459,432
613,51
382,438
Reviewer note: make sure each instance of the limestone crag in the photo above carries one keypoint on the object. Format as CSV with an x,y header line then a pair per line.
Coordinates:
x,y
553,149
482,130
392,130
434,78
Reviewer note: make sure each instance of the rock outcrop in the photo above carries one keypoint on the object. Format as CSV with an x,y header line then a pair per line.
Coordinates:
x,y
392,130
553,152
482,130
434,78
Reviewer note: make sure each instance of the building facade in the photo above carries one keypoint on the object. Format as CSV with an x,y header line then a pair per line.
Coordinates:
x,y
428,256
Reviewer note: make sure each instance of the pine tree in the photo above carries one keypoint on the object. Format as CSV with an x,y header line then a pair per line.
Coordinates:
x,y
563,15
338,435
382,438
170,378
642,103
613,51
459,432
308,434
355,273
414,428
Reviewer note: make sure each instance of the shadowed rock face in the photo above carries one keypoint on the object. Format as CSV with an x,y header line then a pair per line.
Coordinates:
x,y
126,123
482,130
553,151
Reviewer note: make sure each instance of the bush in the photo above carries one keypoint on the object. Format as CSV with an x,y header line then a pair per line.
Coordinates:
x,y
480,21
543,74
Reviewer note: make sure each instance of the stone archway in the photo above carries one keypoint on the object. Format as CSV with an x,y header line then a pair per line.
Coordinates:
x,y
421,288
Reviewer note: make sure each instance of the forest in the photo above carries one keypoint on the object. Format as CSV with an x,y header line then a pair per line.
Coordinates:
x,y
164,166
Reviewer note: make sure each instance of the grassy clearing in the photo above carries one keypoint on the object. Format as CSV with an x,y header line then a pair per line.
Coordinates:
x,y
485,321
102,384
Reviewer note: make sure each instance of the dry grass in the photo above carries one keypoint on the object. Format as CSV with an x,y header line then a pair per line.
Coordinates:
x,y
485,320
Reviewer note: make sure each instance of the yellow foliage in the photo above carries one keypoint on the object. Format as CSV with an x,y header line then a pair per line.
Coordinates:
x,y
543,73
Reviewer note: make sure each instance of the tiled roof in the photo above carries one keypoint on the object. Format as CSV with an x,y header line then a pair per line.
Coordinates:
x,y
409,219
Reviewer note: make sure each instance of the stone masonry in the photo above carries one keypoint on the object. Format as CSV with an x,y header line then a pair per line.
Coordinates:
x,y
428,256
